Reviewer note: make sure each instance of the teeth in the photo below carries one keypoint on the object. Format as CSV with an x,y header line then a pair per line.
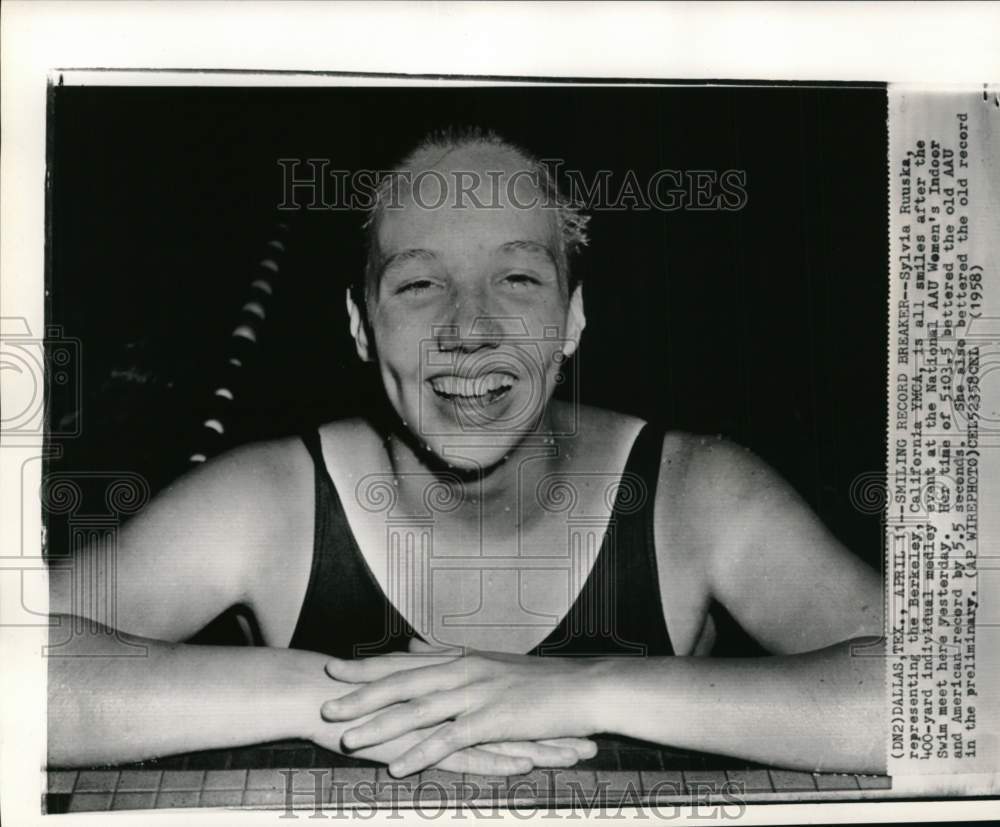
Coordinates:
x,y
471,388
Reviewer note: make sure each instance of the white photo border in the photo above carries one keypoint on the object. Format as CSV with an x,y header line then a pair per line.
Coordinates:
x,y
922,43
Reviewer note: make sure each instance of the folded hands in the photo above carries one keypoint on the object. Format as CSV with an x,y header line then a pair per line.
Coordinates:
x,y
482,712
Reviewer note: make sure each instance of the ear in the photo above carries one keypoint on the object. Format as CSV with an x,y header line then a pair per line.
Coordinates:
x,y
358,331
576,321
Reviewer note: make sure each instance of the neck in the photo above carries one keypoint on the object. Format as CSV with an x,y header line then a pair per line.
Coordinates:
x,y
490,489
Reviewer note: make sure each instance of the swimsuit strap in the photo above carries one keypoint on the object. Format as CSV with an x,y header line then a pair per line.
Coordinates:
x,y
344,613
618,610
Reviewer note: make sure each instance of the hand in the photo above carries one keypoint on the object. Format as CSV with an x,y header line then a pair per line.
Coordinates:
x,y
507,758
470,700
502,758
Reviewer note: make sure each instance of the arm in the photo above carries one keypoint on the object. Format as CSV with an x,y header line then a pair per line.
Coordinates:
x,y
110,704
121,686
108,710
816,705
818,711
191,553
200,547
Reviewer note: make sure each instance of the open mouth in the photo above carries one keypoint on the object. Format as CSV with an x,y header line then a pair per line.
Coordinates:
x,y
484,389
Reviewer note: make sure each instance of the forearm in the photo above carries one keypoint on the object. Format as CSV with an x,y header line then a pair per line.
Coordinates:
x,y
818,711
111,703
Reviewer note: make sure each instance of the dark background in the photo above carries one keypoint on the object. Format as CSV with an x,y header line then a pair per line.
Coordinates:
x,y
767,325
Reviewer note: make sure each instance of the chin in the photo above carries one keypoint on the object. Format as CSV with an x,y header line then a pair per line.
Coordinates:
x,y
469,457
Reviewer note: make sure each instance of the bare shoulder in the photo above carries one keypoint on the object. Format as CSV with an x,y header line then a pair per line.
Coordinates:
x,y
714,489
763,553
271,486
260,477
199,546
716,471
357,431
697,475
704,483
256,499
352,447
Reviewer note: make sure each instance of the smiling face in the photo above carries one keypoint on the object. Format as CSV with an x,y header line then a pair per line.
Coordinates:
x,y
470,312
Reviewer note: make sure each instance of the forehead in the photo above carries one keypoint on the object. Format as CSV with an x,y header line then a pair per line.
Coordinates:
x,y
470,203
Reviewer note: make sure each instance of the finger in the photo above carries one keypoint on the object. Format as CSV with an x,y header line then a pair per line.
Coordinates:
x,y
449,738
584,747
418,646
541,755
395,688
484,762
403,718
372,669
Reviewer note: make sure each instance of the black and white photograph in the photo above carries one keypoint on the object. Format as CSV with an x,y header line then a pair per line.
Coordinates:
x,y
420,443
557,379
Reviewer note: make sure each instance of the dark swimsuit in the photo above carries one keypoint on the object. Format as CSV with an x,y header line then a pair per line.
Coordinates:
x,y
617,612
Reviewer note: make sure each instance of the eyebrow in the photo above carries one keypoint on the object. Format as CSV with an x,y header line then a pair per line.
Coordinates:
x,y
529,247
413,253
421,254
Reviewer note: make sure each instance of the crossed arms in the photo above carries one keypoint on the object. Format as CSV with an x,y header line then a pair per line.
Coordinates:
x,y
216,537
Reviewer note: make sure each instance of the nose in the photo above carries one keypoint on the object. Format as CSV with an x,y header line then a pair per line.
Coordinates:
x,y
470,326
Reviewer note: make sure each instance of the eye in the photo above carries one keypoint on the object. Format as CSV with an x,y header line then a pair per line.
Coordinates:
x,y
415,287
521,280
